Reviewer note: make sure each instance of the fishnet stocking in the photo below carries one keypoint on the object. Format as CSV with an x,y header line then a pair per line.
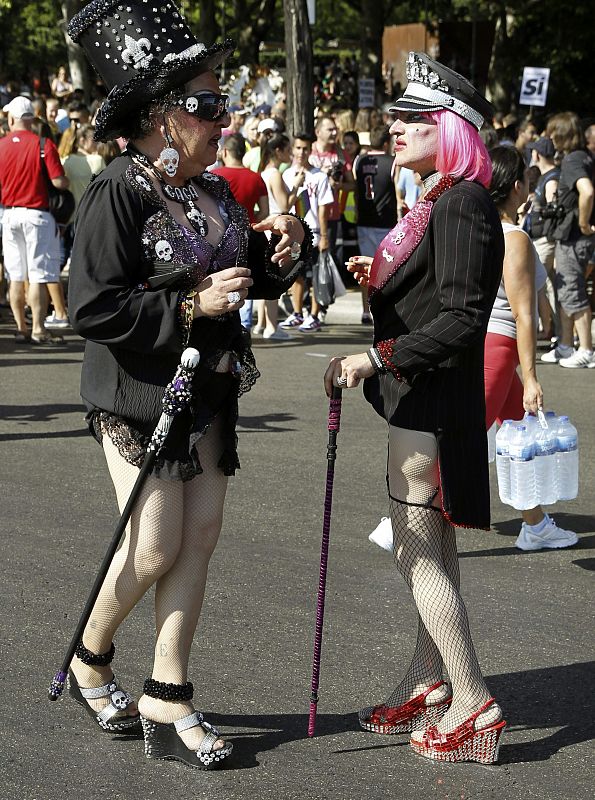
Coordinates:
x,y
180,591
144,555
425,553
172,533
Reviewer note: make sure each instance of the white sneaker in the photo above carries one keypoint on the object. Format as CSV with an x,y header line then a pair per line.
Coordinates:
x,y
56,322
310,325
550,537
278,335
580,358
292,321
257,330
554,356
382,535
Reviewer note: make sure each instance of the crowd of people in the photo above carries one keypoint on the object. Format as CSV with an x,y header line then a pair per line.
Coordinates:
x,y
347,187
426,205
47,145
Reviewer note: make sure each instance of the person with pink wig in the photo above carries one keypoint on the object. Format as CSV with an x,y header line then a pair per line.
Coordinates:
x,y
432,285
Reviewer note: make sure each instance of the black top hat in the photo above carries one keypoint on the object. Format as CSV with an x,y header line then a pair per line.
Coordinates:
x,y
141,50
434,87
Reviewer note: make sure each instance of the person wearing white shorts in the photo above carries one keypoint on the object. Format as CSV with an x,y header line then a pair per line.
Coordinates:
x,y
31,247
30,237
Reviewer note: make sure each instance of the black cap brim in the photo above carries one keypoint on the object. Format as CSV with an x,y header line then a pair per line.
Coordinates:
x,y
405,104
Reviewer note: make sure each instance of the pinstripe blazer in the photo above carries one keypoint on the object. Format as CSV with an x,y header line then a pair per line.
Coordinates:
x,y
434,312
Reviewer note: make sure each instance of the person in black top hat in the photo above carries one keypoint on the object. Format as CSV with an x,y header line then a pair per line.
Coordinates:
x,y
432,284
152,210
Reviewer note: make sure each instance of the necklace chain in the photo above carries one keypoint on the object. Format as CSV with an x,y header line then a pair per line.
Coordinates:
x,y
187,195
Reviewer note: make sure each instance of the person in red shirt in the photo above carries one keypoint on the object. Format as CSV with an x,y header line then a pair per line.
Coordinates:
x,y
30,236
247,187
249,190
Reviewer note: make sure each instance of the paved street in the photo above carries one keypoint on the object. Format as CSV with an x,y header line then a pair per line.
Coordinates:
x,y
531,614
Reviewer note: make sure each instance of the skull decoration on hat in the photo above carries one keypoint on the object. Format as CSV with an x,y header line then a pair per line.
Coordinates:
x,y
434,87
141,50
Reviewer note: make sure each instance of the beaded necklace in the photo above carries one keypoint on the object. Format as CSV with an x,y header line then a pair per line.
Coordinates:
x,y
186,195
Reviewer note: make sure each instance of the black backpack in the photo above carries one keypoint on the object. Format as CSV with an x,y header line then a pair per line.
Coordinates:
x,y
544,217
61,201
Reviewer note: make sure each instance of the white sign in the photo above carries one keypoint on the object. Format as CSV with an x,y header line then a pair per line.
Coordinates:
x,y
534,86
366,97
311,11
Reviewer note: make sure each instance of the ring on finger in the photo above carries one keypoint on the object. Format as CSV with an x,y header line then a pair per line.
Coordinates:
x,y
341,381
233,298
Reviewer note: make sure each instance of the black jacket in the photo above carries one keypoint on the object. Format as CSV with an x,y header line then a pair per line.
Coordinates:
x,y
436,308
135,335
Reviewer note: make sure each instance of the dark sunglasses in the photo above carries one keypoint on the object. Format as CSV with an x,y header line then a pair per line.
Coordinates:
x,y
206,105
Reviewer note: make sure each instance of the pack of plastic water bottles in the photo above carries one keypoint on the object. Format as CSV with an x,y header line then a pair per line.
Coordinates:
x,y
537,460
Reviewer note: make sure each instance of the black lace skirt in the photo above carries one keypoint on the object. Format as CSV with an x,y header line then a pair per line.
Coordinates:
x,y
178,460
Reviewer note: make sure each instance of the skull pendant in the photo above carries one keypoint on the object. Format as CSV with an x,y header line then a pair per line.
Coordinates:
x,y
170,158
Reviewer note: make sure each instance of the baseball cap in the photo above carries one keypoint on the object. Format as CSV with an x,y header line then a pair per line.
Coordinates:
x,y
266,125
19,107
544,146
263,108
236,108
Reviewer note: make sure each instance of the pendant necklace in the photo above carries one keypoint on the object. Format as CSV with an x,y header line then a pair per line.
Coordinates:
x,y
187,195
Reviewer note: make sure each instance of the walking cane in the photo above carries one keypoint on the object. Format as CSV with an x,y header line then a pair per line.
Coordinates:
x,y
334,423
176,398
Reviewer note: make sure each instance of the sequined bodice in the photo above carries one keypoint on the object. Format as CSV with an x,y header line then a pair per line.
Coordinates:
x,y
166,241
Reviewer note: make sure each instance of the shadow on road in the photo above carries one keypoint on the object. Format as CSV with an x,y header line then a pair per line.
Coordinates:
x,y
558,697
267,422
41,413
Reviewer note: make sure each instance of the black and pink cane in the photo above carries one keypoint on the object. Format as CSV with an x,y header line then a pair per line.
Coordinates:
x,y
334,423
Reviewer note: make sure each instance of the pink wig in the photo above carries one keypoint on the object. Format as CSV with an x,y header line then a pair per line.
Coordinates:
x,y
461,152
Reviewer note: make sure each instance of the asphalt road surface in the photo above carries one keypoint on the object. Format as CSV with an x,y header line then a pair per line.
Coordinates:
x,y
531,613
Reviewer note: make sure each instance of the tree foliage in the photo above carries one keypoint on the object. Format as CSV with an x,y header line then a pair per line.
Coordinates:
x,y
554,33
31,41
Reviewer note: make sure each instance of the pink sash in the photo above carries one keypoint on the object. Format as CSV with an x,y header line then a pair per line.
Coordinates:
x,y
399,244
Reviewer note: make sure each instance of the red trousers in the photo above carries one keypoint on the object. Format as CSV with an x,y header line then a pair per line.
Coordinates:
x,y
503,387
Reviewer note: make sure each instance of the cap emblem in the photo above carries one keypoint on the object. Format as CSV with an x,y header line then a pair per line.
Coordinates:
x,y
137,52
419,72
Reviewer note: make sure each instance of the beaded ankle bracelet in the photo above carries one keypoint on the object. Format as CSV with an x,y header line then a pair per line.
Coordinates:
x,y
168,691
94,659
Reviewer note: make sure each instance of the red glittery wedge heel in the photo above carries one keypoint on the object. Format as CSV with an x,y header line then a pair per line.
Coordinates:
x,y
464,743
413,715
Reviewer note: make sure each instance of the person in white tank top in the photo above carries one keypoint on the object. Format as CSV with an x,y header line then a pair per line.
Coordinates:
x,y
275,153
512,332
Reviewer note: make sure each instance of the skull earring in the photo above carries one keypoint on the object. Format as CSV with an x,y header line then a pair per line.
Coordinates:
x,y
169,156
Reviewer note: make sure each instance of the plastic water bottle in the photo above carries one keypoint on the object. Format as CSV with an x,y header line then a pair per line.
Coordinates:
x,y
522,469
545,443
492,444
503,461
531,423
567,459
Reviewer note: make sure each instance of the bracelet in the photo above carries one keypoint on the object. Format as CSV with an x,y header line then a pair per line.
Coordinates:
x,y
94,659
376,361
168,691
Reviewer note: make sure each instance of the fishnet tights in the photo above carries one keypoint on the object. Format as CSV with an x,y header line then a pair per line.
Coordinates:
x,y
169,540
426,556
